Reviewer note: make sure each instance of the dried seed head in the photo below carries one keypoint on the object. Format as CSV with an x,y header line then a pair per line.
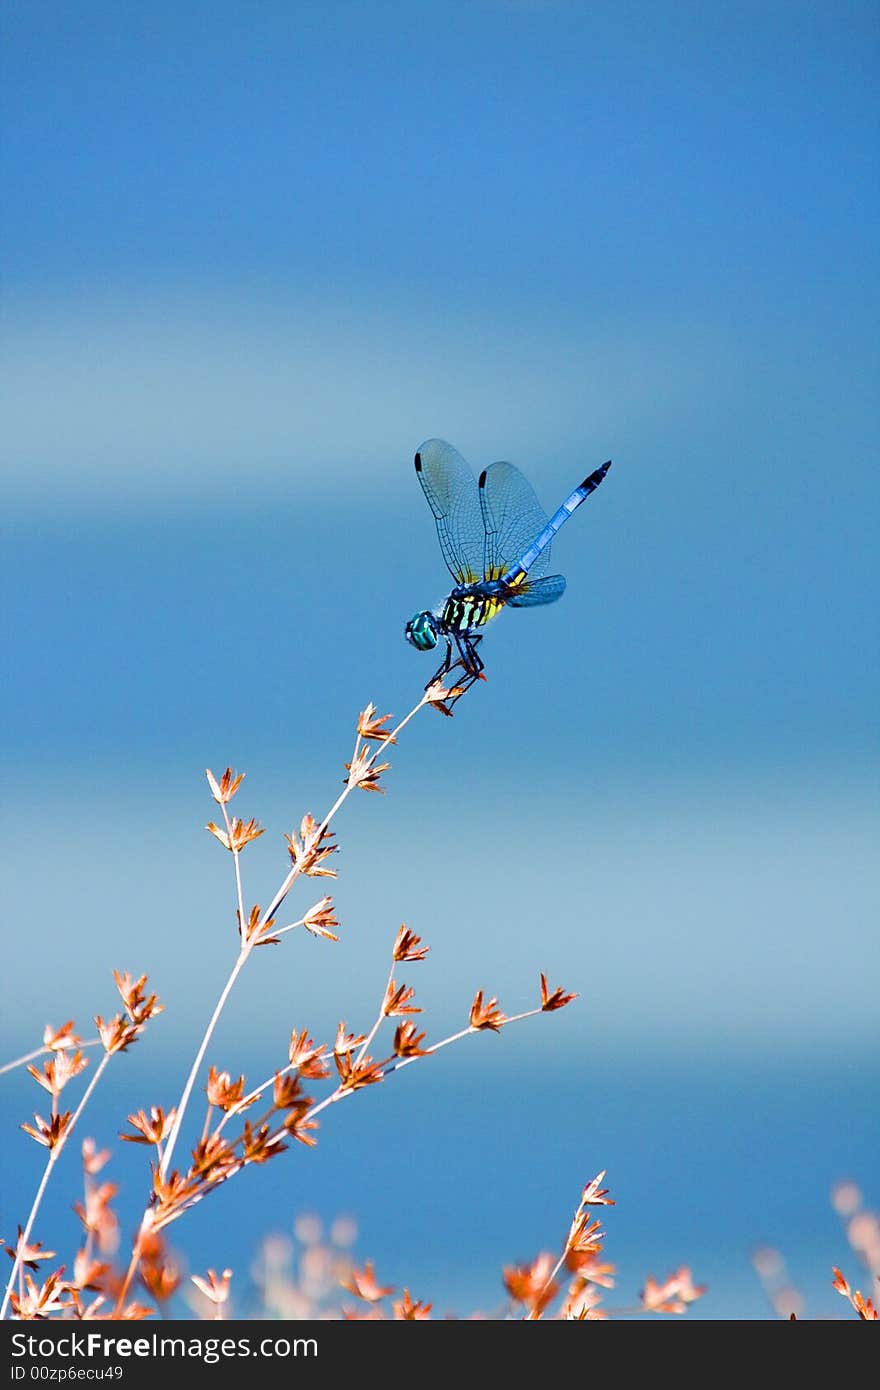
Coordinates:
x,y
152,1128
314,845
355,1075
407,1042
364,1284
319,920
437,694
222,1091
224,790
62,1067
407,945
50,1132
347,1042
255,931
555,1000
411,1310
530,1284
29,1252
397,1000
486,1015
63,1037
363,772
370,727
240,833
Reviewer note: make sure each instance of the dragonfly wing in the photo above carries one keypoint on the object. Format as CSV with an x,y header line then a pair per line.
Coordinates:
x,y
538,591
512,517
453,497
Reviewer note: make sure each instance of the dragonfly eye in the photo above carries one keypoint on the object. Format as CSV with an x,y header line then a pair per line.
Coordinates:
x,y
422,631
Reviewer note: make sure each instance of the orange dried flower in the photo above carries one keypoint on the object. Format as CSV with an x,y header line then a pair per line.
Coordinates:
x,y
595,1195
240,833
261,1144
40,1301
160,1273
62,1067
320,919
307,1057
286,1091
49,1132
364,773
222,1091
364,1284
531,1284
172,1196
557,1000
407,1042
63,1037
347,1042
299,1126
29,1252
138,1005
407,947
152,1128
312,848
256,932
116,1034
411,1310
355,1075
214,1160
224,790
437,694
397,1000
372,728
486,1015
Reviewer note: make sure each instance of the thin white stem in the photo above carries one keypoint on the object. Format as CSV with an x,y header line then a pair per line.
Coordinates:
x,y
284,930
196,1066
44,1182
242,920
41,1052
218,1009
378,1024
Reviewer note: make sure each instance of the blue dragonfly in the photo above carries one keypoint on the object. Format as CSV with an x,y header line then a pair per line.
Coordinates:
x,y
495,538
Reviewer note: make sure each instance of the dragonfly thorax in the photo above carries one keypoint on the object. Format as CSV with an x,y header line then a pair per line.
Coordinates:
x,y
469,607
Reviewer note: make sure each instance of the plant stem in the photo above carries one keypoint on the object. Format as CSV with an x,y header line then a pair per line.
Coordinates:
x,y
200,1055
41,1051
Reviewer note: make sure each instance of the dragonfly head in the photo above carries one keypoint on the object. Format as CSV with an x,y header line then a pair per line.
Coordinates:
x,y
422,631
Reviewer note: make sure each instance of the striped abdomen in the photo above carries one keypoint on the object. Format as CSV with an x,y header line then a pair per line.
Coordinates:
x,y
462,613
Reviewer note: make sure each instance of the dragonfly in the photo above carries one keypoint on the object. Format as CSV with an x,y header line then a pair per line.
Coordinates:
x,y
495,538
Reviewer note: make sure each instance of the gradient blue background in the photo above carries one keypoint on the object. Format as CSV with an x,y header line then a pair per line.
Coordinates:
x,y
252,256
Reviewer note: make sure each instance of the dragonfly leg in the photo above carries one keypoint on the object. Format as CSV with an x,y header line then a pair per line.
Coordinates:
x,y
442,670
476,664
470,663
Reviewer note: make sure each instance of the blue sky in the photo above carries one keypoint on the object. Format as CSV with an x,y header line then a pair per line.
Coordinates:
x,y
251,257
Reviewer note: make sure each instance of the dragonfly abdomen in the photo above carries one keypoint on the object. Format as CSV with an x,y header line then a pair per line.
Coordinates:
x,y
465,611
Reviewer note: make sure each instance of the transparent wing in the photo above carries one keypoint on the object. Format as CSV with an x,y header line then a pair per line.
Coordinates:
x,y
540,591
453,497
512,517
